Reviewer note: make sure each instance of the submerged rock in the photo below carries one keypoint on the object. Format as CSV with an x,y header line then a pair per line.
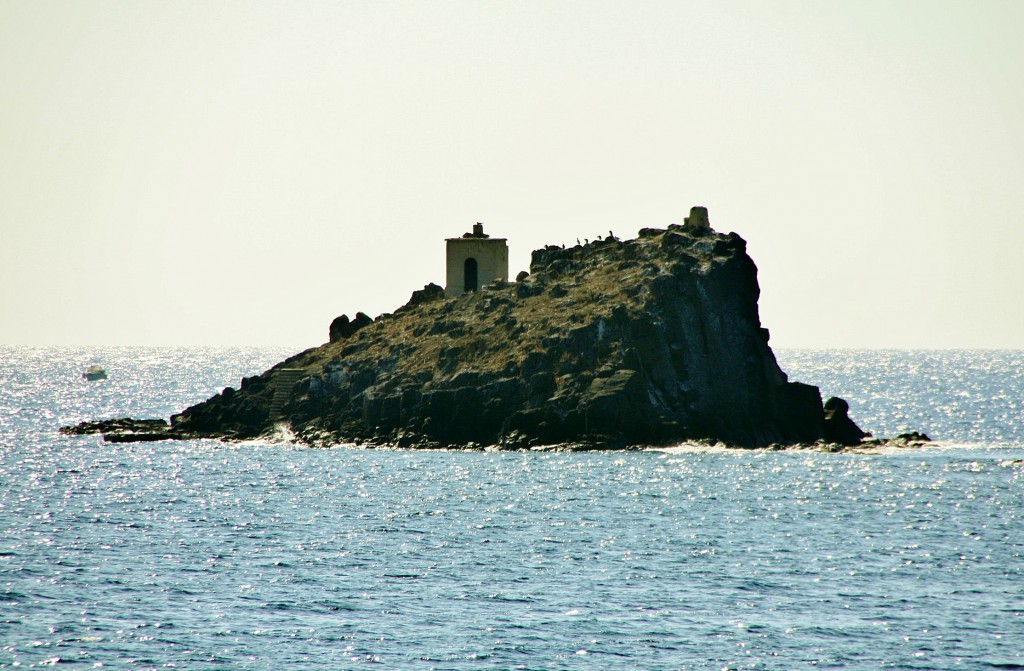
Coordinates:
x,y
127,430
608,344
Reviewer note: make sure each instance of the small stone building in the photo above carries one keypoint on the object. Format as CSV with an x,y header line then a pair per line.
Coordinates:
x,y
698,219
475,260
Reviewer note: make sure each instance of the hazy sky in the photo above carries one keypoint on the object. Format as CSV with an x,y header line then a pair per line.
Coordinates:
x,y
243,172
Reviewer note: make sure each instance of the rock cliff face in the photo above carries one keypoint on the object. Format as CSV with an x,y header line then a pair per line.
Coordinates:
x,y
612,343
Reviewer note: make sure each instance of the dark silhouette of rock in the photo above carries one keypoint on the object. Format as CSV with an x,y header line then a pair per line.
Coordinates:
x,y
609,344
839,428
342,328
914,437
127,430
120,424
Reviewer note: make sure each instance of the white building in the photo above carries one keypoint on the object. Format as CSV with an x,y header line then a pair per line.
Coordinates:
x,y
475,260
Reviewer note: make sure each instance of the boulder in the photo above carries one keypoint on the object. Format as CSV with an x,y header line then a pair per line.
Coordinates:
x,y
342,329
839,428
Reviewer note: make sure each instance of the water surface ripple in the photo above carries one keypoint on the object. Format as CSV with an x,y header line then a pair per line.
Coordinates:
x,y
203,555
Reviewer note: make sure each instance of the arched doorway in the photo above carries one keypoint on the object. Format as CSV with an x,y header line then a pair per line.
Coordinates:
x,y
469,274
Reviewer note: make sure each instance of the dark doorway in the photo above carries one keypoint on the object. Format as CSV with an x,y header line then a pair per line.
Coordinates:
x,y
469,274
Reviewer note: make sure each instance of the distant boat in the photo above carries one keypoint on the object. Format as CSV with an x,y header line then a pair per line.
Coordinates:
x,y
95,372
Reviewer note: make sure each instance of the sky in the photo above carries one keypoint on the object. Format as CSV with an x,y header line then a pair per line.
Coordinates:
x,y
240,173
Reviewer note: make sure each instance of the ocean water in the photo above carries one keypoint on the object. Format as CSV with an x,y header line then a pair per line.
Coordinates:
x,y
203,555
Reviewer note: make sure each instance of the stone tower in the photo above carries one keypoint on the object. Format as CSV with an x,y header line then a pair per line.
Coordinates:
x,y
475,260
698,219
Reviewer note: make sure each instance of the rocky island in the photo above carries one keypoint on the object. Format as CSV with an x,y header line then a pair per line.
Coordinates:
x,y
608,344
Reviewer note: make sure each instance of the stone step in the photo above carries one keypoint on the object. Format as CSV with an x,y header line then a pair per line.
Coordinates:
x,y
286,379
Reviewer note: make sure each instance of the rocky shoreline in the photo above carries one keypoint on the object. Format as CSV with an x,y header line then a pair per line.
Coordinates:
x,y
610,344
127,430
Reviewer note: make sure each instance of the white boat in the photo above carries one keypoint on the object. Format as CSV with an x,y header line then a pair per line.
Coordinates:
x,y
95,372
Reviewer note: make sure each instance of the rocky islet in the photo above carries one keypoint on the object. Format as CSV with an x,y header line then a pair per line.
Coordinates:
x,y
609,344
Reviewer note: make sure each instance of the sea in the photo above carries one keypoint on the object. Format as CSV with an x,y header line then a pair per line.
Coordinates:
x,y
270,555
